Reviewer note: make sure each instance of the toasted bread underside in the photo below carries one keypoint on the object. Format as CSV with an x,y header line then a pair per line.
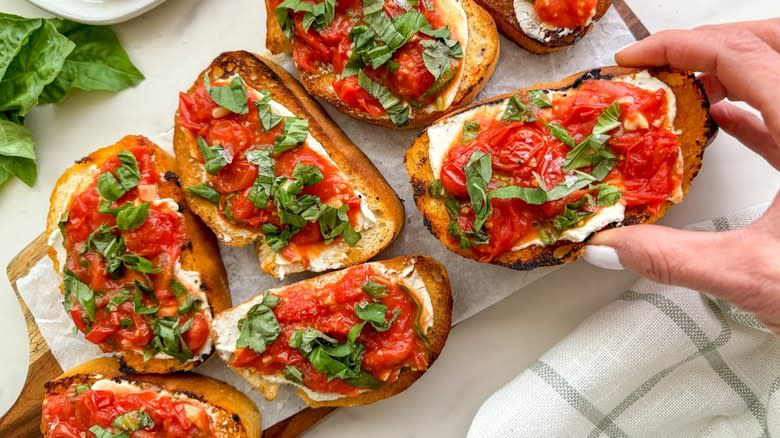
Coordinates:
x,y
234,411
480,60
503,12
263,74
693,119
437,282
201,253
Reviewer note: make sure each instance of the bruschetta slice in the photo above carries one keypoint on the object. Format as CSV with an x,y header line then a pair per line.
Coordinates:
x,y
141,275
388,62
344,338
523,179
96,399
544,26
262,163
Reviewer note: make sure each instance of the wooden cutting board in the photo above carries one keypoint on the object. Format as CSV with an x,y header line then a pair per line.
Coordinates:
x,y
23,419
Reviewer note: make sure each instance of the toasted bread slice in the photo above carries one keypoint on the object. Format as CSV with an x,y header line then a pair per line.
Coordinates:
x,y
262,74
480,59
200,253
232,414
423,276
696,127
548,39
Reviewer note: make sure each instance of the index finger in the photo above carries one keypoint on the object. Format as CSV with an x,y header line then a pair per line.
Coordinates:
x,y
745,64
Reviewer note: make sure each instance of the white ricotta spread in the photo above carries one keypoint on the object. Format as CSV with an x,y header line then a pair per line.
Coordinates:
x,y
533,26
599,220
446,132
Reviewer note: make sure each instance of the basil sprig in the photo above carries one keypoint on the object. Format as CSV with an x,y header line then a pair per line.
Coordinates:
x,y
334,359
259,328
232,97
397,110
214,156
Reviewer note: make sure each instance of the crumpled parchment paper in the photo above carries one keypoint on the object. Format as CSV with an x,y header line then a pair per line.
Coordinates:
x,y
475,286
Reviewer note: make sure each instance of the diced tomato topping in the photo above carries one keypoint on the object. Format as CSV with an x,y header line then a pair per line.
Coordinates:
x,y
565,13
236,176
411,80
349,92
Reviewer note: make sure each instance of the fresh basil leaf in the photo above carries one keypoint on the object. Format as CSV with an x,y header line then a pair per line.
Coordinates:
x,y
125,323
308,175
204,191
140,308
376,315
573,183
35,65
293,374
132,217
374,290
232,97
214,156
294,133
436,57
109,188
132,421
267,117
118,299
533,196
381,24
83,294
262,189
364,380
259,328
334,222
562,134
106,242
351,236
188,305
16,140
139,264
128,173
304,339
470,131
103,433
330,357
168,339
608,120
517,111
409,23
178,289
539,99
81,388
570,217
319,15
436,189
479,171
397,110
16,34
97,63
608,195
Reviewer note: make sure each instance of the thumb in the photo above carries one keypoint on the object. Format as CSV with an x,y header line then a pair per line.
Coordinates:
x,y
705,261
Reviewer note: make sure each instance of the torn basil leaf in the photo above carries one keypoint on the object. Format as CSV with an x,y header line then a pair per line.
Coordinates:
x,y
232,97
374,290
214,156
397,110
259,328
132,421
517,111
83,294
539,99
294,133
267,117
479,171
470,131
204,191
608,195
376,315
130,217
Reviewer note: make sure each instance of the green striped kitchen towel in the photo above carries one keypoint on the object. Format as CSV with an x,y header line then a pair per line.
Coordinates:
x,y
661,361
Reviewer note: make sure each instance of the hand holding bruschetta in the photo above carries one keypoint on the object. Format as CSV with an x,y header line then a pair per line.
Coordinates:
x,y
739,62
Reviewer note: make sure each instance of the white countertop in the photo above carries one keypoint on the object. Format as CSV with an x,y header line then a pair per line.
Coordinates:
x,y
483,353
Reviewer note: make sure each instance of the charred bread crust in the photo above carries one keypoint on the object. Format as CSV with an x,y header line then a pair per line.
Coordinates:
x,y
503,12
437,282
480,60
238,415
263,74
200,253
693,119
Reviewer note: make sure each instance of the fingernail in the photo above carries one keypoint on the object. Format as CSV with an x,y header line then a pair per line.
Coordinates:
x,y
604,257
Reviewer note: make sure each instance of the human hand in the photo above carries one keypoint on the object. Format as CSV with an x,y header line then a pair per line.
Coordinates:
x,y
741,62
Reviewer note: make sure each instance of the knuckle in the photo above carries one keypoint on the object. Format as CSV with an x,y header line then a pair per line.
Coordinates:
x,y
743,41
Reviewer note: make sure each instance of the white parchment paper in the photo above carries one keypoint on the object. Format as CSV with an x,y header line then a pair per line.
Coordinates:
x,y
475,286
